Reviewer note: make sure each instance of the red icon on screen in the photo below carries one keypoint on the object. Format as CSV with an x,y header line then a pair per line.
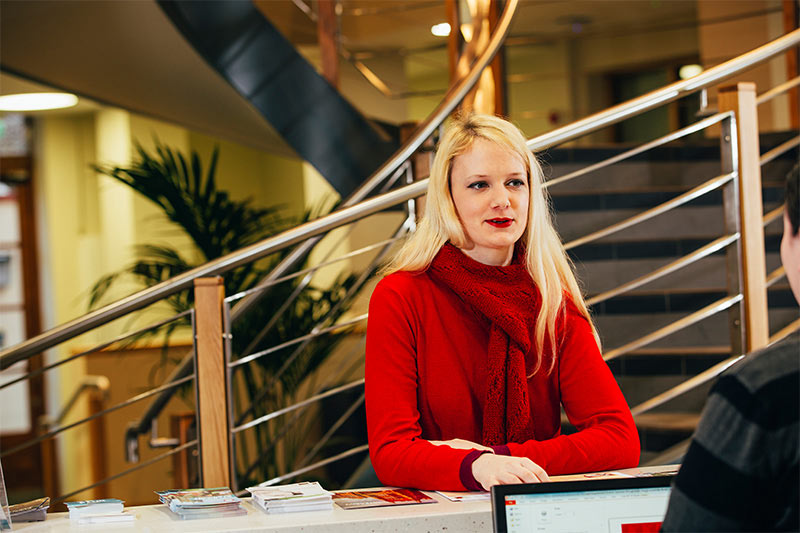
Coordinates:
x,y
644,527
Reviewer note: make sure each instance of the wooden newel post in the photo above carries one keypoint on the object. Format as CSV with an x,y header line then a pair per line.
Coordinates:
x,y
741,99
209,294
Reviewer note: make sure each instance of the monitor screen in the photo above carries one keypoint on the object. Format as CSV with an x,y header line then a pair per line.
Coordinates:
x,y
599,508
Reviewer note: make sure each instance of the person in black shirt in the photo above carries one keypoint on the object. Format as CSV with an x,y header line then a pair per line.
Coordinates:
x,y
741,470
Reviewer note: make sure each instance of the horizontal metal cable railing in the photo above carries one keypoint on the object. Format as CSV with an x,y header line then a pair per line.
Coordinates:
x,y
772,278
686,386
780,150
103,346
121,342
628,154
291,475
299,405
785,332
320,392
718,306
711,185
297,340
126,403
674,266
777,90
144,464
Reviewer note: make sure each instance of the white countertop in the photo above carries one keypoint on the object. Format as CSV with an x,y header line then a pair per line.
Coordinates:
x,y
444,515
461,517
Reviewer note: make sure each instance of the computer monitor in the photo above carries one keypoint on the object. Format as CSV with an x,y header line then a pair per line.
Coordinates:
x,y
620,505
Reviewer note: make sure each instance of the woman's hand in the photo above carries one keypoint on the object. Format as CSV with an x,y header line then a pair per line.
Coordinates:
x,y
490,469
461,444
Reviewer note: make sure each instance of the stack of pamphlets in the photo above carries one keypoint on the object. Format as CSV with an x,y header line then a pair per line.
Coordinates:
x,y
202,503
297,497
32,511
359,499
98,511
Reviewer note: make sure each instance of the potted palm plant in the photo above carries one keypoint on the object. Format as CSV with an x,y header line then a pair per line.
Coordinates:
x,y
217,225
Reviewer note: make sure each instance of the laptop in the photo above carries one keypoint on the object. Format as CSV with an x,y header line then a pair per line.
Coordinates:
x,y
617,505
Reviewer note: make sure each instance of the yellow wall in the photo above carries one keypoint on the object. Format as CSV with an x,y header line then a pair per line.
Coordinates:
x,y
90,225
716,47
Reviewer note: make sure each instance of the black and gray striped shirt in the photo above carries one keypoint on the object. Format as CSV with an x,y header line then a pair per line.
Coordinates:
x,y
741,471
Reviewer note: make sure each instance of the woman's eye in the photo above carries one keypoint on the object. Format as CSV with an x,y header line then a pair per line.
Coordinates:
x,y
516,183
477,185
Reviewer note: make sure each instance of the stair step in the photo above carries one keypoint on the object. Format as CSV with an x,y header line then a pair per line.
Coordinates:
x,y
682,350
636,247
619,329
709,272
679,164
685,422
582,201
683,300
687,364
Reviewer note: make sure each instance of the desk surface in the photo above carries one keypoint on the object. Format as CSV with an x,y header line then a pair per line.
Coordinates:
x,y
445,515
463,517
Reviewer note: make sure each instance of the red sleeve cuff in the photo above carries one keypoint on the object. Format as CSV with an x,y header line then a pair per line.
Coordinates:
x,y
501,449
465,471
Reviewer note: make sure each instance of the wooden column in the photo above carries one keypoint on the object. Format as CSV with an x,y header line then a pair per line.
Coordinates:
x,y
741,99
498,64
488,95
454,40
328,37
97,441
182,470
790,18
212,404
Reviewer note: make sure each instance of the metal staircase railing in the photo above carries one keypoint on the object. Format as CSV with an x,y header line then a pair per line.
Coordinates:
x,y
361,206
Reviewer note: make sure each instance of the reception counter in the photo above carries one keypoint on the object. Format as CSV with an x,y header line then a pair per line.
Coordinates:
x,y
466,517
445,515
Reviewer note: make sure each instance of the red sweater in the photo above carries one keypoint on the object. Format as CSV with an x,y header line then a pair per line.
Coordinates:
x,y
426,380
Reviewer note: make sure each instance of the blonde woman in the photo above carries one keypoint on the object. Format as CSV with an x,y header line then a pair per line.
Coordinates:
x,y
478,334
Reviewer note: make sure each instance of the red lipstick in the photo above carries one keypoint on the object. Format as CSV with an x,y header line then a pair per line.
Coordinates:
x,y
500,222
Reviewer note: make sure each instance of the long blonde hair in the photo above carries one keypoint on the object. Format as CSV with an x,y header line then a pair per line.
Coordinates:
x,y
546,260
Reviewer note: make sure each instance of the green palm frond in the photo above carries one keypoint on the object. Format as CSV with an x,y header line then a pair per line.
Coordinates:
x,y
188,195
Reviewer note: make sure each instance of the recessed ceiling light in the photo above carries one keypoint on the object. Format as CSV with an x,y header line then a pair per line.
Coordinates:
x,y
36,101
689,71
441,30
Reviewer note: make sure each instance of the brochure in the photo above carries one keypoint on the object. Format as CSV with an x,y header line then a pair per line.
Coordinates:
x,y
190,498
118,518
359,499
304,496
94,507
202,503
32,511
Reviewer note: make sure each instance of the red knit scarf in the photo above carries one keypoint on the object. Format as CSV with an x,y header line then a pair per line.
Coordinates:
x,y
508,299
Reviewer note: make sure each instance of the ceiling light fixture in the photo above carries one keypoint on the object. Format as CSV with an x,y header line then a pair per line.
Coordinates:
x,y
441,30
36,101
689,71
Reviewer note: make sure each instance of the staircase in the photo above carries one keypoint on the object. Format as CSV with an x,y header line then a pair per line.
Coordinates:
x,y
615,193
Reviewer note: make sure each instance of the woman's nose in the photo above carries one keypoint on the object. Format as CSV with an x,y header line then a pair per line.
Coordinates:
x,y
501,199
